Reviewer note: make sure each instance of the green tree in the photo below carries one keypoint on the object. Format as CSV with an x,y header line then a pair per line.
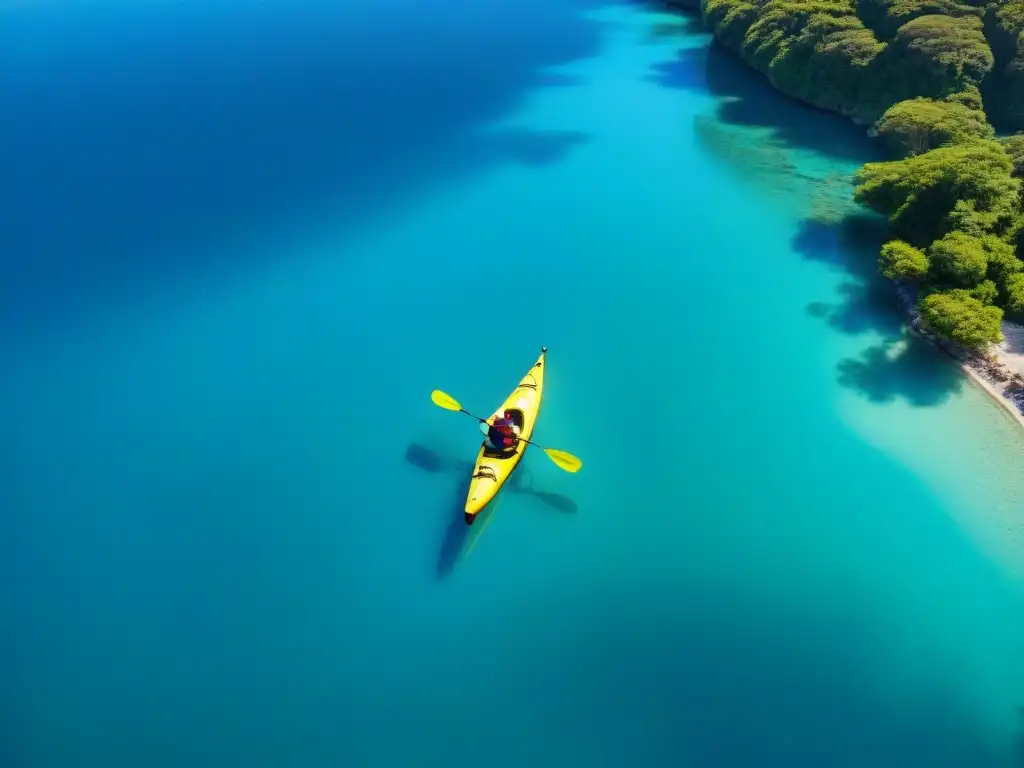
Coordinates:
x,y
960,257
985,292
814,50
832,65
1002,263
965,217
1015,294
827,52
1014,146
958,316
917,125
941,55
969,97
966,260
920,194
902,261
887,16
729,20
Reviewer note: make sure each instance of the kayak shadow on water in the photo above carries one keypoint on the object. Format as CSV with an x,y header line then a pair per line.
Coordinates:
x,y
459,538
456,542
521,482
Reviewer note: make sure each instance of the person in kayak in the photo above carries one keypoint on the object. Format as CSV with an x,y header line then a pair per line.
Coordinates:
x,y
503,432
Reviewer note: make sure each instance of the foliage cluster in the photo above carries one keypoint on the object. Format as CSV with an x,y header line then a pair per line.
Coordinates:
x,y
918,72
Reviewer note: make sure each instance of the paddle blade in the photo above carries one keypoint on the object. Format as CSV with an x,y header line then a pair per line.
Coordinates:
x,y
564,460
445,401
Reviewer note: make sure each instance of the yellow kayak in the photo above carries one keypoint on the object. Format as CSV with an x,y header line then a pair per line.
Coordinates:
x,y
494,467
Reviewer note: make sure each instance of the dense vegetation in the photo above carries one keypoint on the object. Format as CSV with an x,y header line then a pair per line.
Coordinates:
x,y
932,78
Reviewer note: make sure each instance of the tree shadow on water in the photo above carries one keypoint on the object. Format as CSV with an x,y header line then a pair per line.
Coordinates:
x,y
911,370
533,148
849,244
861,308
748,100
688,70
866,302
685,26
903,366
162,144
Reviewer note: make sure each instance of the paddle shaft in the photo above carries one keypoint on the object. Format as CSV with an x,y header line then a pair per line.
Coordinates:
x,y
484,421
564,460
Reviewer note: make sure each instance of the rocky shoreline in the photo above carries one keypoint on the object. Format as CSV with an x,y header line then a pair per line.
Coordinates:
x,y
997,372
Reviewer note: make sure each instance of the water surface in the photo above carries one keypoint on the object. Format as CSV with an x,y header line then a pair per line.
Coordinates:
x,y
260,237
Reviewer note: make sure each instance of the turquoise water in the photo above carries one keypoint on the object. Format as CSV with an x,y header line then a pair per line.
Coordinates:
x,y
232,529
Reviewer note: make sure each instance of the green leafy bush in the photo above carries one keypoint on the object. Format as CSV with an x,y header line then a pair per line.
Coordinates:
x,y
1015,294
917,125
902,261
959,316
960,257
920,194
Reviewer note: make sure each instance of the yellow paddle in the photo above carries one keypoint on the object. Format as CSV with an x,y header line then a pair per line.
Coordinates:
x,y
563,460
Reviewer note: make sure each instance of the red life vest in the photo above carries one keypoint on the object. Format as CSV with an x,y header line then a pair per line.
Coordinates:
x,y
504,426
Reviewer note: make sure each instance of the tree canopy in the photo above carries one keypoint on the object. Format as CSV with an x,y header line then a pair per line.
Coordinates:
x,y
1014,146
935,79
920,194
960,257
885,17
917,125
902,261
1015,294
941,55
859,57
959,316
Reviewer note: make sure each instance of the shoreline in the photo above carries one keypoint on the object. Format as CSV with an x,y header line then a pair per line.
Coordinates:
x,y
1000,399
996,371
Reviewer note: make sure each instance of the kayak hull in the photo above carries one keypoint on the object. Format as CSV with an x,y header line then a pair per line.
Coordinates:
x,y
493,468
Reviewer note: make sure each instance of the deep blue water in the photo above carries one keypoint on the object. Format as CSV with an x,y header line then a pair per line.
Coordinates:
x,y
241,244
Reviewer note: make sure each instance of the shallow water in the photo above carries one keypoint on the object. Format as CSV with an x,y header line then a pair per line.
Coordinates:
x,y
233,528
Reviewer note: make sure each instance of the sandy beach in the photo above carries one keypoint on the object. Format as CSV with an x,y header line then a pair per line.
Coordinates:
x,y
1001,373
1011,351
999,370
